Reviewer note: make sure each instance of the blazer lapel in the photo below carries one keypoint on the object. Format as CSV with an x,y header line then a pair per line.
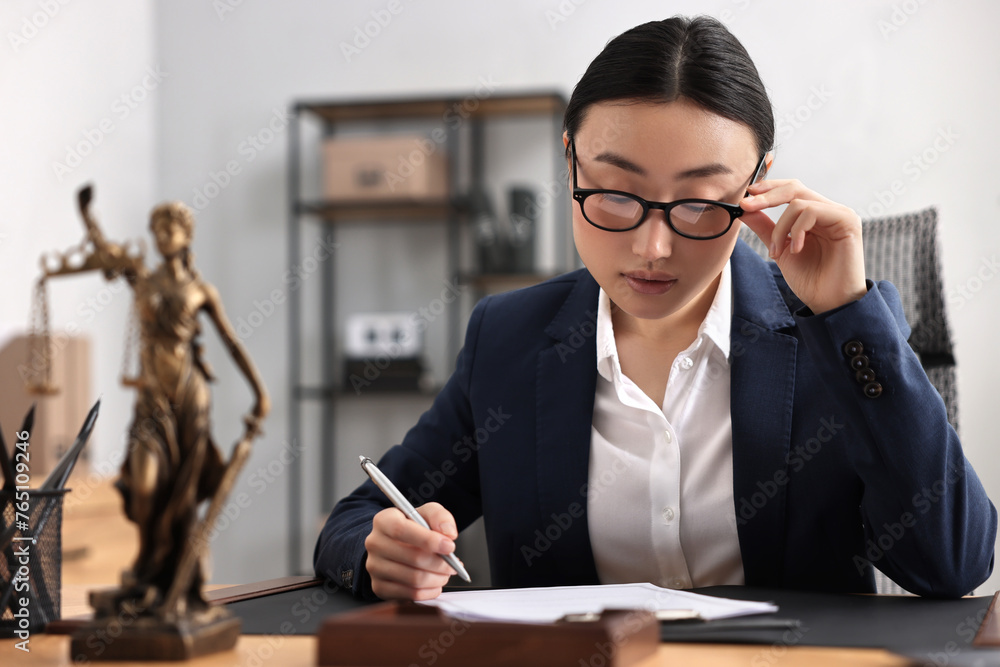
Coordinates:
x,y
565,385
763,386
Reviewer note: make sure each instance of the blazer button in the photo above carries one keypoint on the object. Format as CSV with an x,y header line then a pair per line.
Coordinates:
x,y
873,390
865,376
853,348
859,362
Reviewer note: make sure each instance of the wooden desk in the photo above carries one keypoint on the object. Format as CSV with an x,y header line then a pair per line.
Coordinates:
x,y
300,651
98,541
104,543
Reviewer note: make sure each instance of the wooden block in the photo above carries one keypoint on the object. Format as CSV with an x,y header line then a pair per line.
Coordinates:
x,y
395,633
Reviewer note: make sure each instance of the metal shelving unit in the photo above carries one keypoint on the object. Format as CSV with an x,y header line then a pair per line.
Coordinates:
x,y
453,212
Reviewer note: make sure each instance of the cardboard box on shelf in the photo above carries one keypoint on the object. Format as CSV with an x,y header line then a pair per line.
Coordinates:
x,y
384,168
58,417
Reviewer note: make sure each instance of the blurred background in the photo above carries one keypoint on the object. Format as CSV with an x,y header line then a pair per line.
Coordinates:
x,y
884,106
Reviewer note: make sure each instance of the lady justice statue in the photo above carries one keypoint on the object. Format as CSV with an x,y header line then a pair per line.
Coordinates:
x,y
172,464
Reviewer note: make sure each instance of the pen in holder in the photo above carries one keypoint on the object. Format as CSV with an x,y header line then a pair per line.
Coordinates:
x,y
30,560
31,533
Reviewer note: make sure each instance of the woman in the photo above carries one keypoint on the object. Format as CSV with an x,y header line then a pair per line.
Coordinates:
x,y
682,412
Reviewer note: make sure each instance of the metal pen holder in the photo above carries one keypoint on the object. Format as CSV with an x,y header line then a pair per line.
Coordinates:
x,y
30,560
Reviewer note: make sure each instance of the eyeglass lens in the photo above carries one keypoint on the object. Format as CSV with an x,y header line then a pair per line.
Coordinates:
x,y
618,211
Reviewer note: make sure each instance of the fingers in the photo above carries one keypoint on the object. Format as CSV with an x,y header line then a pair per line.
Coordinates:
x,y
404,558
439,519
760,224
394,525
793,225
805,212
767,194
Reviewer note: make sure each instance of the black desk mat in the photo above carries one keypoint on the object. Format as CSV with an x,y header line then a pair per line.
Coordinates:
x,y
297,612
933,632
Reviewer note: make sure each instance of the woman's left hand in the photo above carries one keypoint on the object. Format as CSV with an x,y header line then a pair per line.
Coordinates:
x,y
816,242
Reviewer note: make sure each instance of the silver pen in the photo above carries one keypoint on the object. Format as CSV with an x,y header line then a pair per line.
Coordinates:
x,y
400,501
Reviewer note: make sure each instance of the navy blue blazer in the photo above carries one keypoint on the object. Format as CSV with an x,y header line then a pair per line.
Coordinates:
x,y
827,481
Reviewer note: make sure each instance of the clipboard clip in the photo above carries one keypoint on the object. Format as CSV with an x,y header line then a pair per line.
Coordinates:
x,y
662,615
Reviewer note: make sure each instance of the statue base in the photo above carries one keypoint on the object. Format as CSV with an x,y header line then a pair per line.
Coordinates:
x,y
121,630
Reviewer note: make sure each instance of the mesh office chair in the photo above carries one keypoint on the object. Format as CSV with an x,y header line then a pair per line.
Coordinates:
x,y
903,250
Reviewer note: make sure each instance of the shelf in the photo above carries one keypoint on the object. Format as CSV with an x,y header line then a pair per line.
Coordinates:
x,y
421,209
441,106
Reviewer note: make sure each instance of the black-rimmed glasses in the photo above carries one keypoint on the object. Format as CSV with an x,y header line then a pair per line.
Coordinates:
x,y
617,211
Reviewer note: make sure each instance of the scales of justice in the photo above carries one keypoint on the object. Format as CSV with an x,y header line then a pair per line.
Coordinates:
x,y
172,467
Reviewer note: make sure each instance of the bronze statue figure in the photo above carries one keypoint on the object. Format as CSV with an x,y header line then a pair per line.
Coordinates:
x,y
172,464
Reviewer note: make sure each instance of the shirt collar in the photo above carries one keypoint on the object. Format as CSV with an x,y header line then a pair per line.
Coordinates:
x,y
715,326
719,319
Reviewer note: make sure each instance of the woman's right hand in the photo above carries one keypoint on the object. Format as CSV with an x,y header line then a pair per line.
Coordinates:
x,y
404,558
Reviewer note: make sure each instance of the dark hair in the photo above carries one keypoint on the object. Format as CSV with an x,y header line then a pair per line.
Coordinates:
x,y
661,61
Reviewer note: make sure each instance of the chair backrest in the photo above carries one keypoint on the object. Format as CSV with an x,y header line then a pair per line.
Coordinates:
x,y
903,250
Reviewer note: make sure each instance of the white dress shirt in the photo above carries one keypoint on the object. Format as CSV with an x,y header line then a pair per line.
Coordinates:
x,y
660,496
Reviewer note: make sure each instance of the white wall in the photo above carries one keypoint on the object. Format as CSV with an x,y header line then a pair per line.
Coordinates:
x,y
79,95
884,78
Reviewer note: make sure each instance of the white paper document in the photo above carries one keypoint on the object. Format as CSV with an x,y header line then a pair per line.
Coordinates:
x,y
547,605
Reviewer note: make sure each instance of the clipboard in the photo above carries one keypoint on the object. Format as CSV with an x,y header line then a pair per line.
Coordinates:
x,y
395,633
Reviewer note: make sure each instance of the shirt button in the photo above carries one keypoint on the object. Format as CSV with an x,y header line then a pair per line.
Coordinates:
x,y
667,436
687,363
668,514
677,582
